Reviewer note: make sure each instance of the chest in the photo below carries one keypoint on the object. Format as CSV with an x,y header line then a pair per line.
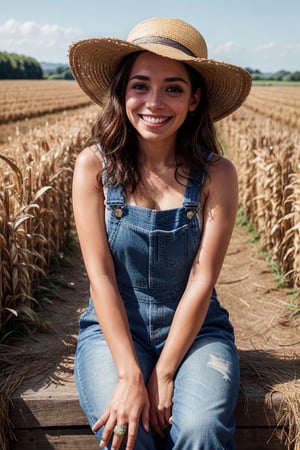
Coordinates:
x,y
158,193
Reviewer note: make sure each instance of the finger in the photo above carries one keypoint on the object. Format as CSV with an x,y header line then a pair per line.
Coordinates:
x,y
168,417
145,418
101,421
163,419
116,442
156,427
154,421
131,436
107,432
119,433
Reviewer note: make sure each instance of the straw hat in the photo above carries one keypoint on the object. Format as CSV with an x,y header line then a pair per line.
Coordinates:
x,y
94,62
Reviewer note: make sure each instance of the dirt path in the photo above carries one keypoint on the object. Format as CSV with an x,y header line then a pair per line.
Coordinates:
x,y
257,308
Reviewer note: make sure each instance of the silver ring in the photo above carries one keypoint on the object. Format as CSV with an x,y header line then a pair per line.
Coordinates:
x,y
120,430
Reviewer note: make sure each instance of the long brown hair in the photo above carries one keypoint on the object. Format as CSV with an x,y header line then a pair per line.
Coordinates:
x,y
117,138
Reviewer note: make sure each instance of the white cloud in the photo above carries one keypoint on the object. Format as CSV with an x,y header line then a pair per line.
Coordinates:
x,y
31,38
27,28
274,47
269,56
13,27
267,46
57,30
226,47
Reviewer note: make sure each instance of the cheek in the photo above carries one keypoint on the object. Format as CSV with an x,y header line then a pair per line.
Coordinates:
x,y
131,109
182,107
131,103
128,106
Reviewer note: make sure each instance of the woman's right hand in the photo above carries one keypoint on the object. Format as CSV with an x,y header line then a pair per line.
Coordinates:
x,y
129,406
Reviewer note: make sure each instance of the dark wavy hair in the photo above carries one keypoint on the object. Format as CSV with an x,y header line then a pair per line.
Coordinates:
x,y
117,138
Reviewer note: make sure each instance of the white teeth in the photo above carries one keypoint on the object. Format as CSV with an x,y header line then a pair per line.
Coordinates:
x,y
151,119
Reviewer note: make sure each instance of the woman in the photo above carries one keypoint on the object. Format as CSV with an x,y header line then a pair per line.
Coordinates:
x,y
155,204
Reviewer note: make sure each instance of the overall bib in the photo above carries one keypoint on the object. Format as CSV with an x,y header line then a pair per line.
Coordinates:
x,y
153,252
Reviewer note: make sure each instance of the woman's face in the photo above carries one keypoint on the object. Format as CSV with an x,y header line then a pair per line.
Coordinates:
x,y
158,97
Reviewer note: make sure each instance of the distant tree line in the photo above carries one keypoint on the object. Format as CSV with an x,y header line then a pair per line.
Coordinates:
x,y
14,66
281,75
20,67
58,73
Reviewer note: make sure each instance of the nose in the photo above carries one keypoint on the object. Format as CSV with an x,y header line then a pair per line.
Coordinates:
x,y
155,99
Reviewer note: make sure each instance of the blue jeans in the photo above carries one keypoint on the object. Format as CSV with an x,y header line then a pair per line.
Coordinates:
x,y
206,384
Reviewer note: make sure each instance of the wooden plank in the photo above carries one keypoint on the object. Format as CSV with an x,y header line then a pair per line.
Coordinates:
x,y
55,439
34,412
50,406
253,408
58,406
83,439
259,439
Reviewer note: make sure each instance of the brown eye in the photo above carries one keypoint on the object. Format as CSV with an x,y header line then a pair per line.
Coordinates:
x,y
139,87
175,89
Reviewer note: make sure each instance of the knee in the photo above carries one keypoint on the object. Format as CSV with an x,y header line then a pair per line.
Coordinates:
x,y
199,423
205,431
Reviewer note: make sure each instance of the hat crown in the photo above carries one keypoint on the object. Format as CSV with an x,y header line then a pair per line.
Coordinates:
x,y
170,32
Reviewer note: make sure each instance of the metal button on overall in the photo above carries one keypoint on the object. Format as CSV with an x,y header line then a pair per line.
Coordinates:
x,y
190,214
118,212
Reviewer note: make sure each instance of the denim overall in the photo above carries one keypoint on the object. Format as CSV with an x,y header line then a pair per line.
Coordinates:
x,y
153,252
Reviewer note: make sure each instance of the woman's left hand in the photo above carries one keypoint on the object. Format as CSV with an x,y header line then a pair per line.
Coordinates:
x,y
160,390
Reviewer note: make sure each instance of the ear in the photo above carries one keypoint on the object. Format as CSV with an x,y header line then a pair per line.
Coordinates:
x,y
195,100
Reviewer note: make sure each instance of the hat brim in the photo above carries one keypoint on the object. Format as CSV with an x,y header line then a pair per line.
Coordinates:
x,y
94,62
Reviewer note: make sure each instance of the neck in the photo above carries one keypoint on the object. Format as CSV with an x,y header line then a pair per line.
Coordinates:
x,y
157,156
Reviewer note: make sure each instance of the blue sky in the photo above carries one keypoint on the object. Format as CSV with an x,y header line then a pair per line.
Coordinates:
x,y
261,34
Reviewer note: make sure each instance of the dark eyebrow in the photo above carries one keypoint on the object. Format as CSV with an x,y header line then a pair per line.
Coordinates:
x,y
169,80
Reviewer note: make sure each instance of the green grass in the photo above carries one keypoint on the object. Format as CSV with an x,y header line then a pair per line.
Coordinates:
x,y
294,302
243,221
275,83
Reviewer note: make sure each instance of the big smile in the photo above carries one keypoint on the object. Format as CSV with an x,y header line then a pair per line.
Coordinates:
x,y
156,120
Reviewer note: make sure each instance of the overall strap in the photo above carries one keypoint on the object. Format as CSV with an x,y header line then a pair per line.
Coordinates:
x,y
114,196
194,188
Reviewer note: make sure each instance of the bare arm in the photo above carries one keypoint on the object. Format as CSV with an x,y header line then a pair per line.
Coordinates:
x,y
130,399
221,197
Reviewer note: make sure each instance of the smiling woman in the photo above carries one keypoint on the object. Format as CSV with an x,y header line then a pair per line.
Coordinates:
x,y
155,204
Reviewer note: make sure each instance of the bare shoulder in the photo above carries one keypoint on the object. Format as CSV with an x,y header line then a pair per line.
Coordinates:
x,y
89,159
222,169
221,177
221,164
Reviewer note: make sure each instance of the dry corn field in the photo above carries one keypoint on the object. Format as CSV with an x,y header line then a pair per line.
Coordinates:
x,y
263,140
21,99
35,195
36,172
